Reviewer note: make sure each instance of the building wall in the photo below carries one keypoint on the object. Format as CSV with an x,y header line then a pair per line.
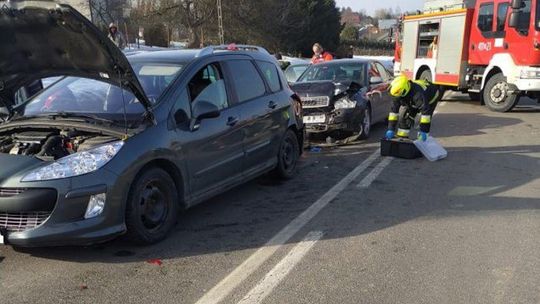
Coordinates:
x,y
82,6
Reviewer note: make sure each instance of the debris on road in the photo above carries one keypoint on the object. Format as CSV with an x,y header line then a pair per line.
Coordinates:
x,y
156,262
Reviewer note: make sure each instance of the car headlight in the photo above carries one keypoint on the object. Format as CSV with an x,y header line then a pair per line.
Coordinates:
x,y
345,103
76,164
530,73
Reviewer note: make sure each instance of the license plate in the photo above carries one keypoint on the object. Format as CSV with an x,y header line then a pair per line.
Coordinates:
x,y
315,119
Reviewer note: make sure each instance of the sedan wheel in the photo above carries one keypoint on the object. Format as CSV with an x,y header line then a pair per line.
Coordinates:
x,y
365,125
152,207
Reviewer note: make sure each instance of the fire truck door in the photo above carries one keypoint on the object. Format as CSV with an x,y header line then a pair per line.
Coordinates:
x,y
488,32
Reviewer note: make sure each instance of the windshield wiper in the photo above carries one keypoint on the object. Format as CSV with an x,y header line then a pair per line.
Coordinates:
x,y
78,115
53,116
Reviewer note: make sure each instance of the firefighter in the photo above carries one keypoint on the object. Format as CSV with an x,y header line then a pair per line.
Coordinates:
x,y
412,97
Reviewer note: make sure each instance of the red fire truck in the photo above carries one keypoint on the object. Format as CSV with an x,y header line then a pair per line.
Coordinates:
x,y
489,48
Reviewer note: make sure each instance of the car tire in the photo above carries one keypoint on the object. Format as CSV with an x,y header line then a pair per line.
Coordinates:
x,y
496,94
365,124
152,207
288,155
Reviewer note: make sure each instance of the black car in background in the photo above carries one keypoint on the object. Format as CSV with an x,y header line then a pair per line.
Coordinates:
x,y
118,146
344,97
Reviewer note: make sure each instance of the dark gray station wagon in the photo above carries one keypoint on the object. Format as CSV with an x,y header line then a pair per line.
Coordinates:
x,y
117,146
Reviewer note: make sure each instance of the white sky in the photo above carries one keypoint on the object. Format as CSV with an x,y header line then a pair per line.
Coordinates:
x,y
371,5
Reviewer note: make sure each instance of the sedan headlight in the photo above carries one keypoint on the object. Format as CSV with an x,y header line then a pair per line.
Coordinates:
x,y
345,103
76,164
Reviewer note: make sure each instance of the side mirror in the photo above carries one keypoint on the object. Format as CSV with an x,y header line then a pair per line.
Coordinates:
x,y
375,80
518,4
513,21
203,110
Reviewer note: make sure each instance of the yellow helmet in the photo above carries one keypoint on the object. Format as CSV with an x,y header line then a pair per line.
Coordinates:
x,y
400,86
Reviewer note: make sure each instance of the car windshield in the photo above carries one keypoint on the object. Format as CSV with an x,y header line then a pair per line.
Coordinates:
x,y
293,72
335,72
81,95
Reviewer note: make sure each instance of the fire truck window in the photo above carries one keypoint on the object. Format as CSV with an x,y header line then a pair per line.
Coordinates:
x,y
524,18
537,17
502,11
427,39
485,17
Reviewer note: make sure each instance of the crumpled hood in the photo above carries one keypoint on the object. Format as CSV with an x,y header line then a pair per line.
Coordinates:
x,y
323,88
40,39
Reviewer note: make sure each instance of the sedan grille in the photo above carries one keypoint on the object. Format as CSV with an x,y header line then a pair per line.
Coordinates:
x,y
21,221
315,102
9,192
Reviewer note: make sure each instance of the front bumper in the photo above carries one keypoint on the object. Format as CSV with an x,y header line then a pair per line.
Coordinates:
x,y
62,222
524,84
346,120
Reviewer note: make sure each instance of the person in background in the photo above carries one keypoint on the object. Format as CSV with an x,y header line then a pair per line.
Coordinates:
x,y
320,55
433,48
116,36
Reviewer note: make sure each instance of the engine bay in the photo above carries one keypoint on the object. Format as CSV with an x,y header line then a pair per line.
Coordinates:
x,y
50,144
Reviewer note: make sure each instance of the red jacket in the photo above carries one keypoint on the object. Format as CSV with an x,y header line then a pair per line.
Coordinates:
x,y
325,56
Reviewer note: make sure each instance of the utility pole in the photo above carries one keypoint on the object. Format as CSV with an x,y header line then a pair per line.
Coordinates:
x,y
220,23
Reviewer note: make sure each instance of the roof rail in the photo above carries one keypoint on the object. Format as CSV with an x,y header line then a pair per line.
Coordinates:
x,y
209,50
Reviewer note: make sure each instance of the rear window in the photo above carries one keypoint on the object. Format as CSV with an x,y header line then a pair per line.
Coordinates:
x,y
246,80
271,74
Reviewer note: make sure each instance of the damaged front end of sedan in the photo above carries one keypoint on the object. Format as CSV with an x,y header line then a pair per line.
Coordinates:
x,y
333,108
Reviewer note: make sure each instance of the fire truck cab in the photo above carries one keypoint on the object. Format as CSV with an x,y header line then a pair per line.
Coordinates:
x,y
489,48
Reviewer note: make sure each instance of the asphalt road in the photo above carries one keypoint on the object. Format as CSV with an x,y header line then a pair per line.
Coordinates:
x,y
351,228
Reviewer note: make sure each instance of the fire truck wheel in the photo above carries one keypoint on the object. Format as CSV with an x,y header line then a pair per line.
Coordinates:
x,y
497,95
426,75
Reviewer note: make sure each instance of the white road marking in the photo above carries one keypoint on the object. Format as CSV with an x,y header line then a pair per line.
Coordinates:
x,y
439,105
242,272
272,279
370,178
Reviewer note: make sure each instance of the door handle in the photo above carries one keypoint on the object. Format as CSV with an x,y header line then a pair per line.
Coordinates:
x,y
232,121
272,105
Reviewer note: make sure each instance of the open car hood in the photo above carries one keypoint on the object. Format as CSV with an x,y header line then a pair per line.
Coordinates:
x,y
40,39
